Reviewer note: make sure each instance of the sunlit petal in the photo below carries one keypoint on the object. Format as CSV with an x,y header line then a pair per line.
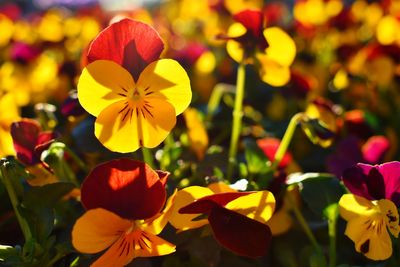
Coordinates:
x,y
352,206
102,83
131,44
234,48
258,205
97,229
156,224
184,197
282,48
166,80
272,72
370,237
122,127
126,187
154,246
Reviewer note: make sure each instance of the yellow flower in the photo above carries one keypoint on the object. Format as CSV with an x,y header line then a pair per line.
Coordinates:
x,y
197,133
367,224
134,96
273,49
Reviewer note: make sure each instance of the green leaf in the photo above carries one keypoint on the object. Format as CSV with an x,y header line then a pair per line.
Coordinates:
x,y
46,195
319,193
256,159
243,172
15,171
37,207
10,256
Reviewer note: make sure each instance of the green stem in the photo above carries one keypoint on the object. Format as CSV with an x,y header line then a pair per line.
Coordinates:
x,y
148,157
169,141
332,238
237,119
287,138
15,203
77,160
300,218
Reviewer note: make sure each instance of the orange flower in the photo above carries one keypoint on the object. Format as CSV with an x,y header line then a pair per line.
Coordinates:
x,y
123,199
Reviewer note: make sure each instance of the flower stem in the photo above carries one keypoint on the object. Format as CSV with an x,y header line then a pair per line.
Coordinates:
x,y
8,184
332,237
300,218
287,138
77,160
148,157
237,119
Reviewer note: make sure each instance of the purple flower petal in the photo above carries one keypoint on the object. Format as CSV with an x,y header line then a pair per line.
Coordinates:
x,y
374,182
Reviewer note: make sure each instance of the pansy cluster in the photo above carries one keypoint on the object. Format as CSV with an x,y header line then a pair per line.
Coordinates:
x,y
200,133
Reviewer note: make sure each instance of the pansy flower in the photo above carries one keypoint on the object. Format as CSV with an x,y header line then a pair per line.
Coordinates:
x,y
273,49
30,141
124,200
134,96
319,122
371,209
237,219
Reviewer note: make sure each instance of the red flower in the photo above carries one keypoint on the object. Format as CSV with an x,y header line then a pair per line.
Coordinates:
x,y
30,141
128,188
131,44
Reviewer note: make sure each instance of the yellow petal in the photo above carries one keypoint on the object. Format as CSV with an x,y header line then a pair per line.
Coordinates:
x,y
168,81
154,246
184,197
272,72
97,229
119,254
41,175
220,187
352,206
197,133
102,83
156,224
235,49
123,127
370,237
282,48
235,6
391,215
280,222
259,205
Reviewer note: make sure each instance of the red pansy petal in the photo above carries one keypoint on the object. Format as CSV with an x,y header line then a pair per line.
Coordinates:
x,y
131,44
44,141
129,188
205,204
238,233
163,175
269,146
25,135
252,20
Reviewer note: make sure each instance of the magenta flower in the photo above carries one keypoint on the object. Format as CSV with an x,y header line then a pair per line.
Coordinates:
x,y
374,182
